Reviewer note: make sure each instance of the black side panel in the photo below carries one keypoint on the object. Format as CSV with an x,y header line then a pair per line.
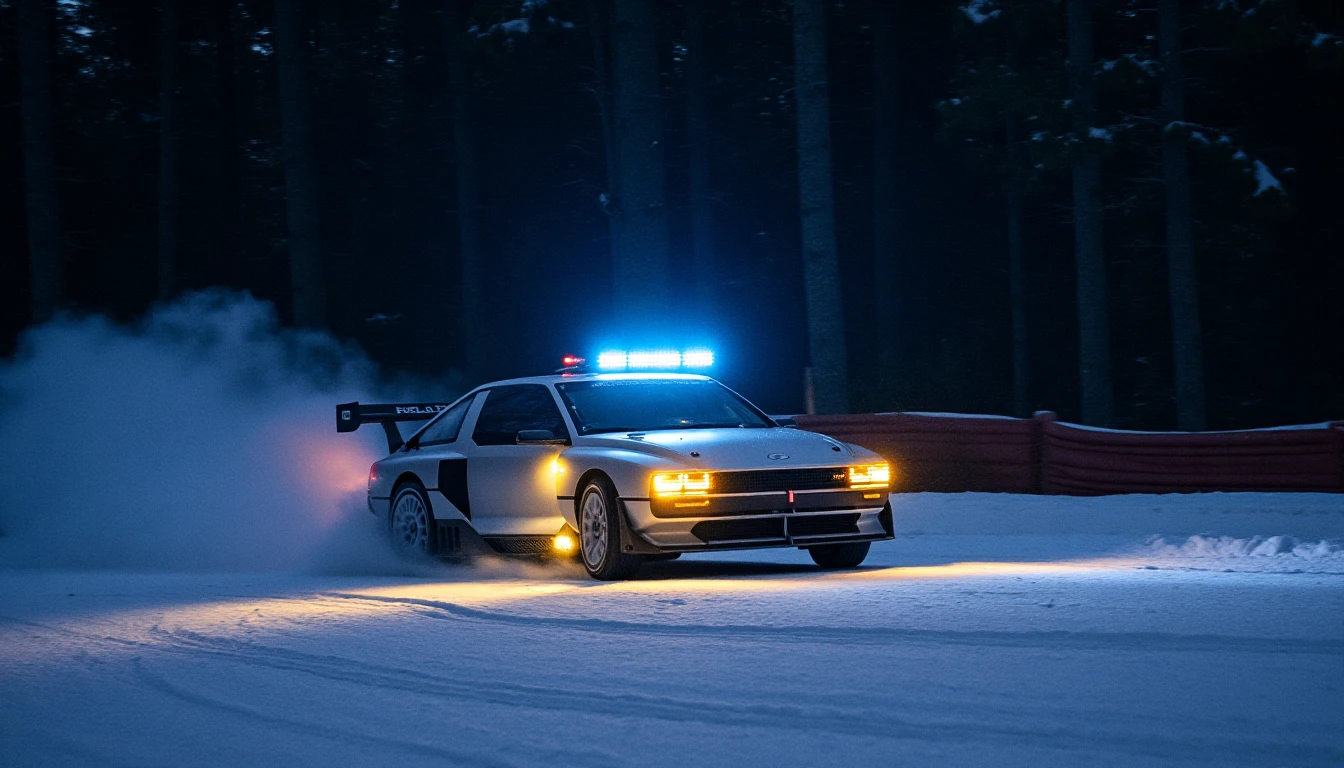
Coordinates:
x,y
457,539
453,484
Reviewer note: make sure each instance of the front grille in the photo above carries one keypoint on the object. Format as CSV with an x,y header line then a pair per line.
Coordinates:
x,y
774,480
730,530
520,545
823,525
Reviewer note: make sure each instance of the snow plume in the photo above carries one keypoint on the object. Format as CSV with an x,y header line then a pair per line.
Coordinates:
x,y
201,437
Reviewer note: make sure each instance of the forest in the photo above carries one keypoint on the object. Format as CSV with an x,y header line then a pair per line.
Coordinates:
x,y
1124,211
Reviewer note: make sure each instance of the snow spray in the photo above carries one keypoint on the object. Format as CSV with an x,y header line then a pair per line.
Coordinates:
x,y
201,437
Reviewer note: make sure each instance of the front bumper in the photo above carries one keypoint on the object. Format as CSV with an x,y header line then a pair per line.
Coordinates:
x,y
762,520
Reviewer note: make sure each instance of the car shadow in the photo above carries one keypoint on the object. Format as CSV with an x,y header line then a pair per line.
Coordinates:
x,y
694,569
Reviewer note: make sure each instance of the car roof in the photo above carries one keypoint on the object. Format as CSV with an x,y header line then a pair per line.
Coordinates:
x,y
558,378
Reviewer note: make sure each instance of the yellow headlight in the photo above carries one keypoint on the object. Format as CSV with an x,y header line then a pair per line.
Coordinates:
x,y
563,542
681,483
870,476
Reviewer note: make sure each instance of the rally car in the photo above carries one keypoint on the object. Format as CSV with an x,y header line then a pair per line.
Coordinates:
x,y
616,468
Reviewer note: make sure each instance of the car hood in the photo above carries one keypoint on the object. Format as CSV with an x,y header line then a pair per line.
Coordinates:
x,y
733,448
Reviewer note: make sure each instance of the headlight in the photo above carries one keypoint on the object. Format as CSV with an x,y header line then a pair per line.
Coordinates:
x,y
681,483
870,476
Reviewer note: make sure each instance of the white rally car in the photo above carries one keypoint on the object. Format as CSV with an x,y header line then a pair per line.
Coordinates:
x,y
624,467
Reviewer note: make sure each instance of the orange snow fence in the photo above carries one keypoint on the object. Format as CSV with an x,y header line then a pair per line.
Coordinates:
x,y
955,452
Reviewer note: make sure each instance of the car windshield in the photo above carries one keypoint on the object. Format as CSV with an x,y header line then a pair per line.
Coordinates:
x,y
645,405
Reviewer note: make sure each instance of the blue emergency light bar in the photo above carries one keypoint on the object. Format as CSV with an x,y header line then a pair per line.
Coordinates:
x,y
655,360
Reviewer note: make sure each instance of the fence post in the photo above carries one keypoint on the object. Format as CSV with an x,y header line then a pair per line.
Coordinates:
x,y
1038,457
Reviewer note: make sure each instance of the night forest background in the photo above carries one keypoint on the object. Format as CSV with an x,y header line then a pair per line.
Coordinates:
x,y
1126,211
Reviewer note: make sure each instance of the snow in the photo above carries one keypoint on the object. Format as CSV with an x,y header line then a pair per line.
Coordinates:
x,y
1278,550
513,27
1265,180
980,11
997,630
1099,133
1147,65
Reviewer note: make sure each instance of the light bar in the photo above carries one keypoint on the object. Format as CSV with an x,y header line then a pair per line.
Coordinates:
x,y
697,358
658,359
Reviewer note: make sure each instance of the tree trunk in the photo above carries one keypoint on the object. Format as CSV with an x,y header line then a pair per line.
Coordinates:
x,y
475,321
1094,342
697,139
301,205
45,267
229,244
168,164
821,268
597,24
640,274
1183,283
1017,298
885,188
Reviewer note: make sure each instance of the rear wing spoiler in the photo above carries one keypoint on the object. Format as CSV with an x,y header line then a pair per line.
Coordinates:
x,y
349,417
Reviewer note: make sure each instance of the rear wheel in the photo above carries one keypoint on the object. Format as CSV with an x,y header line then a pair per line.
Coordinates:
x,y
411,523
600,533
839,555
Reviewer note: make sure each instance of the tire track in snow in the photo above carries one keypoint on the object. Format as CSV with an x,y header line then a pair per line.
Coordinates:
x,y
877,718
1063,639
881,719
213,704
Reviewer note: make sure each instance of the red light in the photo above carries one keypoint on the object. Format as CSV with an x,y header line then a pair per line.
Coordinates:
x,y
571,361
373,474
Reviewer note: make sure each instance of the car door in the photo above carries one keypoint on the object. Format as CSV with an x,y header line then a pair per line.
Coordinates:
x,y
512,485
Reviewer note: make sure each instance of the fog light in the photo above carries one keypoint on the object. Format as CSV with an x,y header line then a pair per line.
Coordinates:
x,y
563,542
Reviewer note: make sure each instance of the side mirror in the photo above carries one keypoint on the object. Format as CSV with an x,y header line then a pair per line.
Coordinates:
x,y
539,437
787,421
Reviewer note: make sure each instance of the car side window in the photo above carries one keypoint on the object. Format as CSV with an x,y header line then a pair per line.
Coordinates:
x,y
444,429
511,409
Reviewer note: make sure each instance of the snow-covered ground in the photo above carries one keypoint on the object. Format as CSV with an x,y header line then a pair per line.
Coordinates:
x,y
997,630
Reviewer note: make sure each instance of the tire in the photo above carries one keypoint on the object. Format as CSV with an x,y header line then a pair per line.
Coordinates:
x,y
600,533
839,555
410,521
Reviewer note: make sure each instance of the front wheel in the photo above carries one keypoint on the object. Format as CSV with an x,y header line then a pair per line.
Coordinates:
x,y
839,555
600,533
